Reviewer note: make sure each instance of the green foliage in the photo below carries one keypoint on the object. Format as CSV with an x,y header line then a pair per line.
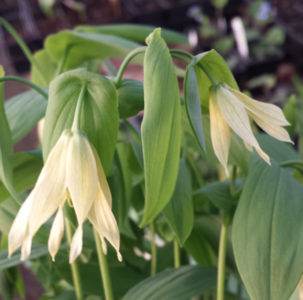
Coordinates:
x,y
290,112
266,232
100,112
161,127
23,112
176,284
136,33
179,212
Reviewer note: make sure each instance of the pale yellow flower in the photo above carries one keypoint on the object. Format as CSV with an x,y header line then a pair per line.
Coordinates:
x,y
230,109
73,172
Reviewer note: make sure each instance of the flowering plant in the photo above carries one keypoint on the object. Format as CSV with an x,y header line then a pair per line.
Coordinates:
x,y
178,207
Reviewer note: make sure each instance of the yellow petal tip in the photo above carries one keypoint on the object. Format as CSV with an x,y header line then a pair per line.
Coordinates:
x,y
119,256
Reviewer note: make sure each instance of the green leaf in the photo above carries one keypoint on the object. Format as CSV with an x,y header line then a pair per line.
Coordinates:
x,y
47,66
193,105
130,97
136,33
203,242
27,167
267,231
290,113
99,114
219,194
84,46
23,112
277,150
161,126
67,295
218,68
6,146
179,212
175,284
37,251
274,36
11,281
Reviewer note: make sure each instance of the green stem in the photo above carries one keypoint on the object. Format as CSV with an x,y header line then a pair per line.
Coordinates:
x,y
23,46
191,57
23,80
221,262
74,265
126,61
177,253
153,250
62,62
180,58
103,269
76,123
291,163
233,180
237,192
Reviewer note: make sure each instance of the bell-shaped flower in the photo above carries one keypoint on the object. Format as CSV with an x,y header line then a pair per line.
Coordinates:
x,y
72,172
230,109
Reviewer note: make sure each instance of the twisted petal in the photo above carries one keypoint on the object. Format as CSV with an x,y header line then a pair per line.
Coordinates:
x,y
220,132
266,111
26,248
82,176
20,227
237,118
275,131
50,189
76,244
105,223
56,233
102,178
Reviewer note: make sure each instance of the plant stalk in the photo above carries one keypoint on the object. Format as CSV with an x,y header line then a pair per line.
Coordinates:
x,y
153,250
126,61
177,253
221,262
62,62
108,291
74,265
76,123
23,46
23,80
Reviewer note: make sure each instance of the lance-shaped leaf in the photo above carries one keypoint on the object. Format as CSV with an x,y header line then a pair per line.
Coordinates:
x,y
6,147
267,229
136,33
218,68
161,126
23,112
175,284
193,105
84,46
179,212
99,114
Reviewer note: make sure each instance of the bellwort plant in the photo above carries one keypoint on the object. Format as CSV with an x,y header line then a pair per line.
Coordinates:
x,y
181,196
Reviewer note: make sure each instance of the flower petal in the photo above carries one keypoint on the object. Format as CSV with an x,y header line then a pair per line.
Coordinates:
x,y
26,248
56,233
220,131
102,178
266,111
236,116
275,131
82,176
51,186
76,244
248,146
20,227
105,223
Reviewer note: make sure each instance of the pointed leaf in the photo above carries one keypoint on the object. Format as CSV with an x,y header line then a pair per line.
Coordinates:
x,y
175,284
267,232
179,212
136,33
84,46
161,126
23,112
193,105
99,114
